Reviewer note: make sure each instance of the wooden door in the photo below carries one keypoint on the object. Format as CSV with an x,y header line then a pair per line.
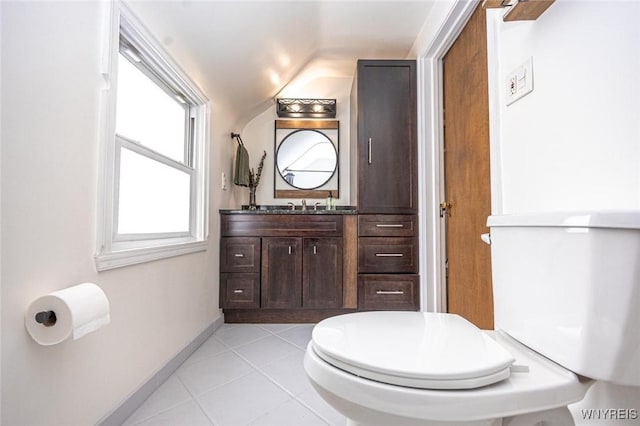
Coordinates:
x,y
322,273
467,184
281,272
387,148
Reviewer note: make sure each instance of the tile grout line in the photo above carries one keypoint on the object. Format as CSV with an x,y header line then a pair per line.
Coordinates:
x,y
294,397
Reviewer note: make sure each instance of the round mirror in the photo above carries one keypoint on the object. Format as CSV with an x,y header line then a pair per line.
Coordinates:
x,y
306,159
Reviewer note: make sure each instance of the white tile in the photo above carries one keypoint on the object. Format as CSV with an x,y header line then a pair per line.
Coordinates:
x,y
276,328
188,413
170,394
289,373
214,371
237,335
291,413
266,350
211,347
299,336
242,401
312,400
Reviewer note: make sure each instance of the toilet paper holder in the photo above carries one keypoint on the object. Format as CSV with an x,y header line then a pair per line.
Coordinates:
x,y
46,318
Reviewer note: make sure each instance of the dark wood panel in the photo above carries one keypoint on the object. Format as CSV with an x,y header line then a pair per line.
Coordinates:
x,y
388,255
388,292
281,272
387,225
387,137
239,290
281,316
306,193
322,273
350,262
307,124
280,225
240,254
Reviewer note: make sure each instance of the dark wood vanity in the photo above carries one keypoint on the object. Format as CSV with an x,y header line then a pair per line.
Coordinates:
x,y
287,266
303,266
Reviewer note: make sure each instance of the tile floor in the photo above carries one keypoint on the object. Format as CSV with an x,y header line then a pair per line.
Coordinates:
x,y
244,374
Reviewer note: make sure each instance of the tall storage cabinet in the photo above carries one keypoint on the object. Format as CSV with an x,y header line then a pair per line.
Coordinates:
x,y
387,163
384,132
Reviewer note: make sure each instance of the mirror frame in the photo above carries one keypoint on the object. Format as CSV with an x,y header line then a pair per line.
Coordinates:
x,y
296,125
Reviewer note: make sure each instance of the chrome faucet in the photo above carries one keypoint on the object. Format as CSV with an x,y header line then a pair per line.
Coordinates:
x,y
304,205
292,206
315,206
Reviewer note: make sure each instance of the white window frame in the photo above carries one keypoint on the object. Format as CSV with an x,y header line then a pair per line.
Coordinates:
x,y
113,250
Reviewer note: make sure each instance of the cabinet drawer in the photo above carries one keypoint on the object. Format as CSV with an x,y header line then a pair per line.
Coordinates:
x,y
387,255
281,225
388,292
387,225
239,290
240,254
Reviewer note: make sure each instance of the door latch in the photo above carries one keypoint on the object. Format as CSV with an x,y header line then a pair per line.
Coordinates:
x,y
445,209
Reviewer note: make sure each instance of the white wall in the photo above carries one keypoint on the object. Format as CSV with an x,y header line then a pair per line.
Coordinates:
x,y
574,142
50,128
258,137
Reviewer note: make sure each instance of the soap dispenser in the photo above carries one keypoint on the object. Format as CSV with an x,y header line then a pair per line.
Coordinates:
x,y
330,202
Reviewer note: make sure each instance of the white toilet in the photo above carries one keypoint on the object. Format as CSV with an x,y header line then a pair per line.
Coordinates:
x,y
567,313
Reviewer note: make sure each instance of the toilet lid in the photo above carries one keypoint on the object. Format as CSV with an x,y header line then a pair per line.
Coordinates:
x,y
414,349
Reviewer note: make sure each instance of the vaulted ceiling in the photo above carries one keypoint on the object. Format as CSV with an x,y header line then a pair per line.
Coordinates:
x,y
243,53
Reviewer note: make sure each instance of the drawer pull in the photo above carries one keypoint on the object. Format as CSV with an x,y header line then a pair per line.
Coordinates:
x,y
289,249
386,292
369,151
238,291
389,225
389,255
315,249
239,255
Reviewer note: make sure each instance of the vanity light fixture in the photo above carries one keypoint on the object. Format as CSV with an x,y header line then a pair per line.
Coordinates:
x,y
306,108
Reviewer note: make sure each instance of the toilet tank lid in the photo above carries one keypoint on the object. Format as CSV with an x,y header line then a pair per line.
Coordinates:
x,y
618,219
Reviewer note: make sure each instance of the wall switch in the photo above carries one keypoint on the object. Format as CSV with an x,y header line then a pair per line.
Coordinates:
x,y
520,82
223,181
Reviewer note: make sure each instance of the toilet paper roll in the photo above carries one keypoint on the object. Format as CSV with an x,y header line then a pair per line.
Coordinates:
x,y
79,310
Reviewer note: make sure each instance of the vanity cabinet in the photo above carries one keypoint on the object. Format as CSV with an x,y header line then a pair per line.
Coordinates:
x,y
384,120
287,267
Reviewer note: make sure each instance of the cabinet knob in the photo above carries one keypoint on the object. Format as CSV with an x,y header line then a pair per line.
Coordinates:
x,y
239,255
238,291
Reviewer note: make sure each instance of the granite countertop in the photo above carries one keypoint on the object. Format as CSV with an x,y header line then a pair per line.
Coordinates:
x,y
285,209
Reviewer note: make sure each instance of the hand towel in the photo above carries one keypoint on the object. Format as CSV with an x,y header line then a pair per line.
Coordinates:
x,y
241,171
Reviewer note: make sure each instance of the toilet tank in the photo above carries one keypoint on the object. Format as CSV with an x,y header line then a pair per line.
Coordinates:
x,y
568,286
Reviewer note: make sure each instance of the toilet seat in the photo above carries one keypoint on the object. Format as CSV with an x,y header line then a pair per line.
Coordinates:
x,y
536,384
412,349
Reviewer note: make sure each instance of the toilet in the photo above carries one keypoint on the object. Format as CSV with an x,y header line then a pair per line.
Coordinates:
x,y
566,292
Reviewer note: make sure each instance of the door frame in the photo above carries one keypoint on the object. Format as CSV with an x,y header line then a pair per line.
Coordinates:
x,y
433,290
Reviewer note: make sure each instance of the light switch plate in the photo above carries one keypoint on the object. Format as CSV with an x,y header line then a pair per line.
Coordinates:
x,y
223,180
519,82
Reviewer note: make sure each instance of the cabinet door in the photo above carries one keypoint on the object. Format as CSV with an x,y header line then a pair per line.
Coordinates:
x,y
387,137
322,273
281,272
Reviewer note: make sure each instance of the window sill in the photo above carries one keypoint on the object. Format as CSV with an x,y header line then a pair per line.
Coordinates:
x,y
118,259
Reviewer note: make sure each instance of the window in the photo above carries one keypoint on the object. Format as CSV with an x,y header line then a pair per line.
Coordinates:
x,y
153,198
